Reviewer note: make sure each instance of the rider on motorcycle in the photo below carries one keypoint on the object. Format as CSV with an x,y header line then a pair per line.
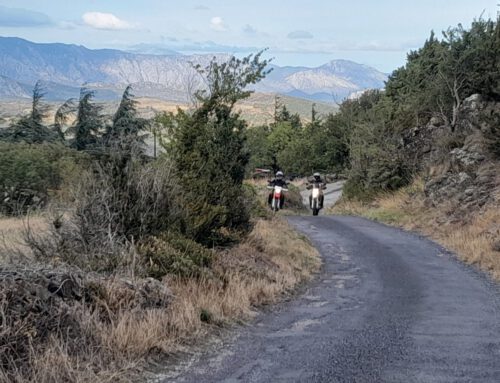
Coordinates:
x,y
318,181
279,180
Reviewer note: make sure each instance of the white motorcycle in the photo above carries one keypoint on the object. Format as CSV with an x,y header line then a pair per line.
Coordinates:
x,y
316,193
276,199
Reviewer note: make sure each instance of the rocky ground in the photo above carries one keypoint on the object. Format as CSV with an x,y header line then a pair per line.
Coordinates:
x,y
460,167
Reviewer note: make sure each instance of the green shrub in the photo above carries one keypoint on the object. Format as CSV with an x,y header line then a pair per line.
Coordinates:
x,y
172,253
29,173
256,203
209,150
115,207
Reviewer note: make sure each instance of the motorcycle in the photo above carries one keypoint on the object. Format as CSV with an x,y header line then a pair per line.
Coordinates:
x,y
314,199
276,197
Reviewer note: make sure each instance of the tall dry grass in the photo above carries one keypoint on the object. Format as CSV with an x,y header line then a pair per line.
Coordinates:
x,y
116,347
270,263
473,240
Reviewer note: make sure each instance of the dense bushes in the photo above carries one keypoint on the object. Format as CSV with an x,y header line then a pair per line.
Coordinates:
x,y
377,161
433,84
208,148
154,216
286,144
29,173
115,208
172,253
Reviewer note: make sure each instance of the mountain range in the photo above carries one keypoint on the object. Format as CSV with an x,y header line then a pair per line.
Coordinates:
x,y
64,68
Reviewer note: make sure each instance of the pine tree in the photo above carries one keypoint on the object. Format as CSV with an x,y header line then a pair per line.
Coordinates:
x,y
126,127
283,115
30,128
88,122
209,149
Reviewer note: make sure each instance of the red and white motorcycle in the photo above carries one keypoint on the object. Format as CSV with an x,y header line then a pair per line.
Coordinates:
x,y
278,193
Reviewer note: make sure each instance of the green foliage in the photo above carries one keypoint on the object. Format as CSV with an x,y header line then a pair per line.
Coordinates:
x,y
61,117
227,81
280,136
281,114
377,161
208,146
435,81
124,133
257,144
30,128
172,253
440,75
122,150
288,145
88,124
255,201
29,172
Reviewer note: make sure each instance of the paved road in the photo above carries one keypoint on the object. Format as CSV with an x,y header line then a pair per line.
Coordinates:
x,y
388,306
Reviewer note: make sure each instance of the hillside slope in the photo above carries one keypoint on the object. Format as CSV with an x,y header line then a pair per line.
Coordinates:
x,y
456,201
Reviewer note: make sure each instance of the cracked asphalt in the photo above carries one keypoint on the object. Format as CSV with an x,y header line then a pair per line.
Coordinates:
x,y
387,306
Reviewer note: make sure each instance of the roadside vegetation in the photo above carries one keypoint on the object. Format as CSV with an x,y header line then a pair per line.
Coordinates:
x,y
126,258
475,240
423,153
299,148
431,88
139,257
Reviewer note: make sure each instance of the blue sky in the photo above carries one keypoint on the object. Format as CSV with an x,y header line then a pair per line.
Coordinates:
x,y
297,32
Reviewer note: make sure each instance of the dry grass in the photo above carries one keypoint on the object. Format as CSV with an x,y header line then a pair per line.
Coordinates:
x,y
472,240
272,262
115,343
13,229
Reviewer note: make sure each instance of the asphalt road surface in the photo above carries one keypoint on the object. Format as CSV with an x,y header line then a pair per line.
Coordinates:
x,y
388,306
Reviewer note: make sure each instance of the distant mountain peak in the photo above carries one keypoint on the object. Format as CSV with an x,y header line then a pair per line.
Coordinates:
x,y
165,74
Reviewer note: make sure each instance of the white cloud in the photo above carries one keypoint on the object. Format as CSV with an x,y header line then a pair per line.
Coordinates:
x,y
107,21
217,24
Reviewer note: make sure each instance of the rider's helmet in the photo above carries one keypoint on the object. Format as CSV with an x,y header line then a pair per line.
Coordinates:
x,y
279,175
317,176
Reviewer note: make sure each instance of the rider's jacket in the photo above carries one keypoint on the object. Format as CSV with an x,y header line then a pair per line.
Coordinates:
x,y
278,182
320,183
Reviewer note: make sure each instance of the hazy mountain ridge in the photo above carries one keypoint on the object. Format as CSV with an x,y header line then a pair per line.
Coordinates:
x,y
330,82
64,68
